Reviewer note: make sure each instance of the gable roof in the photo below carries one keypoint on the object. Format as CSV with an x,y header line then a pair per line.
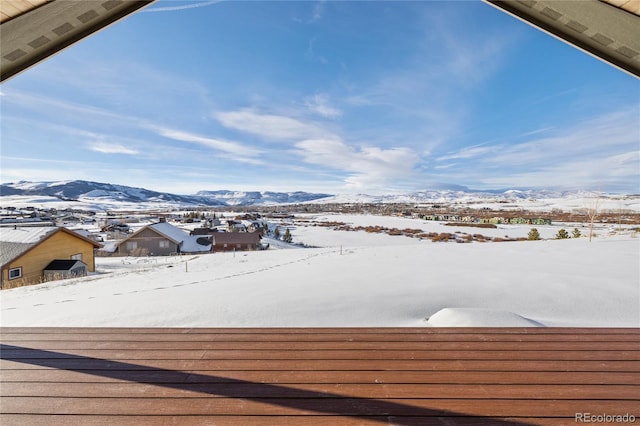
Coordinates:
x,y
186,242
173,233
15,242
10,251
28,235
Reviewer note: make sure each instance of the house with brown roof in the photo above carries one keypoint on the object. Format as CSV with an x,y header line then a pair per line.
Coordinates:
x,y
26,252
238,241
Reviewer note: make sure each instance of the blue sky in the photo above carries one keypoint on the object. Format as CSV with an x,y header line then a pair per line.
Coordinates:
x,y
335,97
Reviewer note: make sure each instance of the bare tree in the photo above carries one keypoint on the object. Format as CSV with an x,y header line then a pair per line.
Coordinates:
x,y
592,213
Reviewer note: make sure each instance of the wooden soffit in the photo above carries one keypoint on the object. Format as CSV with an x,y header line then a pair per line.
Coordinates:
x,y
606,29
33,30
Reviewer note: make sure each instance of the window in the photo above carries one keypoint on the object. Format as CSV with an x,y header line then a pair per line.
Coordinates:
x,y
132,245
163,244
76,256
15,273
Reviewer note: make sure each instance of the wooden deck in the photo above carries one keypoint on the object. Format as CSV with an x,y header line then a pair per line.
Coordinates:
x,y
343,376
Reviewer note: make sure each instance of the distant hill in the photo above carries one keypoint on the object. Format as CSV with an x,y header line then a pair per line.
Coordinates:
x,y
240,198
95,192
105,196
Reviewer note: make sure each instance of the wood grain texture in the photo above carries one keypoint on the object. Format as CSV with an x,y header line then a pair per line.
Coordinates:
x,y
351,376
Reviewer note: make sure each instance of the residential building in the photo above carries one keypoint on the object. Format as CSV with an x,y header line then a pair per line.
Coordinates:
x,y
26,252
161,239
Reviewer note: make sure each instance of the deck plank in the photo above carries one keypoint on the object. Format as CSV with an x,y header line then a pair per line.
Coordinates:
x,y
152,420
376,390
325,376
345,377
324,364
628,354
343,406
63,346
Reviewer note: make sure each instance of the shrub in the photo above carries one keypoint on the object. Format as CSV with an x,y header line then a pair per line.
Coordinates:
x,y
562,234
445,236
576,233
533,234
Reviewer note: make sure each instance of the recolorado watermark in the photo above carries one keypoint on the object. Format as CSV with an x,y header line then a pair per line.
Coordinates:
x,y
604,418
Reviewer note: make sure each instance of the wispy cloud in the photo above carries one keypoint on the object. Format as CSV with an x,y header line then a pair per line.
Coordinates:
x,y
436,82
239,150
318,11
361,165
320,104
110,148
582,154
614,172
269,126
311,53
366,167
182,7
467,153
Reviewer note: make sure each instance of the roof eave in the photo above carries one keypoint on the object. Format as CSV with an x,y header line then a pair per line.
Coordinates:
x,y
596,27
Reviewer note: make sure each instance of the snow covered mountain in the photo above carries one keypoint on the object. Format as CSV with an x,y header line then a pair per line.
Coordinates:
x,y
79,190
240,198
458,196
105,196
96,192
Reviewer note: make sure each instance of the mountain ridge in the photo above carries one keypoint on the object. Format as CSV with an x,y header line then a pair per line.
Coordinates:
x,y
76,190
99,193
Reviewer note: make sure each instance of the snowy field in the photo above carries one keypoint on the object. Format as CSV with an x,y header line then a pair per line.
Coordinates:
x,y
356,279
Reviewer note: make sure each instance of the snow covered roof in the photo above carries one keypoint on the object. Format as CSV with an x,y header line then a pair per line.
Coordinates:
x,y
28,235
18,240
188,243
11,250
173,233
110,246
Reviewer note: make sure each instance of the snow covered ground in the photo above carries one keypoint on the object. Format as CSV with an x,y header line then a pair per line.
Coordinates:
x,y
576,201
356,279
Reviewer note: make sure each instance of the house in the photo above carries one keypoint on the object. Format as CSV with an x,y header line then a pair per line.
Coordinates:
x,y
25,252
236,226
232,241
161,239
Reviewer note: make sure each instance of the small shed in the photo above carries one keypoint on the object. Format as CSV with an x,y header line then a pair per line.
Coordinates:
x,y
61,269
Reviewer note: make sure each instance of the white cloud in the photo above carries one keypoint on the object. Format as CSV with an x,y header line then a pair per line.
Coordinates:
x,y
592,153
589,139
312,55
269,126
320,104
318,11
467,153
110,148
367,167
183,7
237,149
